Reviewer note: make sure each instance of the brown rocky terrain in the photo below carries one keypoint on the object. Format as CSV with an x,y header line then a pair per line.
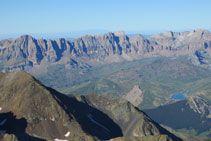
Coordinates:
x,y
149,138
31,111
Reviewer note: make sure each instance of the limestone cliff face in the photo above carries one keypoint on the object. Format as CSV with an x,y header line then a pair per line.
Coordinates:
x,y
27,52
135,96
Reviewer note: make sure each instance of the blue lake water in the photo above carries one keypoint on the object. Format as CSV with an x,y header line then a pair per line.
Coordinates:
x,y
178,96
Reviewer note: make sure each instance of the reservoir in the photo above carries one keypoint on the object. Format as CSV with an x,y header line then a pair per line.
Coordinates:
x,y
178,96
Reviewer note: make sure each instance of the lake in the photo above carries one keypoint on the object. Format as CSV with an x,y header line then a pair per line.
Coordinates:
x,y
178,96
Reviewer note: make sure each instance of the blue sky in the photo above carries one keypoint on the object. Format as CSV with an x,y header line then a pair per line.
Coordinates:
x,y
132,16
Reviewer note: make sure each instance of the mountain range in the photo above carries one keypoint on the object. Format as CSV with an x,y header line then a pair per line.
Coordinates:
x,y
146,71
27,53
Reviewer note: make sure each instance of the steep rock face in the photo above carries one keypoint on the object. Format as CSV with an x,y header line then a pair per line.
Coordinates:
x,y
135,96
131,120
26,98
8,137
202,57
201,105
31,111
123,114
193,113
26,52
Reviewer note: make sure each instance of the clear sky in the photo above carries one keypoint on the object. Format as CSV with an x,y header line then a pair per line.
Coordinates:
x,y
51,16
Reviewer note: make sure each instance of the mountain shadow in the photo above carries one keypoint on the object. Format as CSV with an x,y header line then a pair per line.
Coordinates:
x,y
180,115
164,131
93,121
11,125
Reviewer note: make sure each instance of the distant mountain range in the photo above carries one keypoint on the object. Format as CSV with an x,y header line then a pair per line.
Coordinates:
x,y
26,52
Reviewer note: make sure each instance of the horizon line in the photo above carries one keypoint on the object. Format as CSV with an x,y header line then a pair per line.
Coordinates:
x,y
81,33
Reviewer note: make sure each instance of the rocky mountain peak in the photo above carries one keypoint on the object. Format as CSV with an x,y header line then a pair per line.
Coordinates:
x,y
37,105
25,37
165,35
47,114
120,33
202,30
87,37
19,85
200,34
169,34
137,38
61,39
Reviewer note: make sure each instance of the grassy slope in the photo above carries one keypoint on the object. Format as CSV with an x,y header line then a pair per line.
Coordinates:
x,y
158,78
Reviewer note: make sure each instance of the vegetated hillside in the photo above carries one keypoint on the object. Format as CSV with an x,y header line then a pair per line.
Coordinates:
x,y
157,78
31,111
192,116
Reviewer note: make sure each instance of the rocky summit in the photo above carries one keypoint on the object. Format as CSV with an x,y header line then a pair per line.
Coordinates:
x,y
28,53
31,111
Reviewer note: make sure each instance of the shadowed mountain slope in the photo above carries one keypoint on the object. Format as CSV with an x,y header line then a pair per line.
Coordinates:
x,y
47,114
188,115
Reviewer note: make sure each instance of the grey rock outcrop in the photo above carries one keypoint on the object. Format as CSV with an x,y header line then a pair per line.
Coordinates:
x,y
26,52
135,96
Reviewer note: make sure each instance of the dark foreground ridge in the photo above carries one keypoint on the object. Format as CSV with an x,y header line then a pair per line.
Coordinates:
x,y
36,112
12,125
92,121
